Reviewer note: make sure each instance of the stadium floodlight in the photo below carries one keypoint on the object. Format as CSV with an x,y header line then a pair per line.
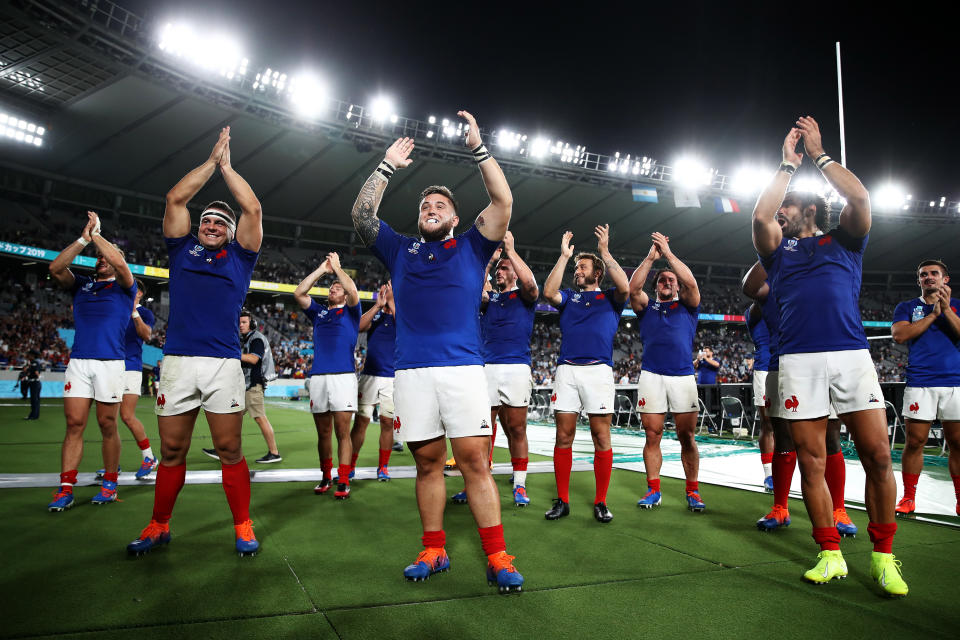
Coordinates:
x,y
807,184
309,95
691,173
432,119
508,140
380,108
889,197
749,180
539,147
215,52
20,130
429,134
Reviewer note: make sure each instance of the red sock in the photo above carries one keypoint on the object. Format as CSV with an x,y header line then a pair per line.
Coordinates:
x,y
881,535
110,476
343,470
910,481
353,460
68,479
602,468
766,458
493,438
143,444
236,484
168,485
827,537
784,462
653,484
326,465
434,538
491,538
693,486
562,464
519,464
956,487
384,457
836,475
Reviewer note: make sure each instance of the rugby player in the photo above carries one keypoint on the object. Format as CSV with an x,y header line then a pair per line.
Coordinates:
x,y
139,330
667,327
209,277
101,312
589,318
824,356
440,386
375,384
760,336
333,376
929,326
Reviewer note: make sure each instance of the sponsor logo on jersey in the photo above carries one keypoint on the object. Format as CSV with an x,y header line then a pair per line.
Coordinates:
x,y
323,313
576,297
495,297
88,286
791,245
914,407
414,248
197,250
791,403
917,314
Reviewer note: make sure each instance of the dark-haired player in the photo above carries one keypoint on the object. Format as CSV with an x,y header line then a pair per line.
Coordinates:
x,y
824,356
589,317
929,325
440,386
209,277
667,327
101,312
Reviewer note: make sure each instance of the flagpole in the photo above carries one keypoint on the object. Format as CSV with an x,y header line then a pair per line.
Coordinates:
x,y
843,143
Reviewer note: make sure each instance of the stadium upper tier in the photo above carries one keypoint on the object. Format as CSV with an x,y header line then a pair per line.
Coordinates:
x,y
124,121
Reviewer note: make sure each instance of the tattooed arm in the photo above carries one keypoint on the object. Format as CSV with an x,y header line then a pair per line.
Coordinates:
x,y
364,212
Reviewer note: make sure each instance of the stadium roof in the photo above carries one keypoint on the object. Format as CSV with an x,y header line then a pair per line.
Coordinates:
x,y
120,118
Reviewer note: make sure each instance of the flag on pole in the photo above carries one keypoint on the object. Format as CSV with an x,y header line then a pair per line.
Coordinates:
x,y
726,205
686,197
643,193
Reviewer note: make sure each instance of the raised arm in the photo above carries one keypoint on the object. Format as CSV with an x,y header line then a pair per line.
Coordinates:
x,y
494,219
855,217
302,293
613,268
367,318
364,212
953,321
60,267
689,291
551,288
349,286
110,253
250,225
754,284
487,287
529,290
144,331
176,216
767,233
638,297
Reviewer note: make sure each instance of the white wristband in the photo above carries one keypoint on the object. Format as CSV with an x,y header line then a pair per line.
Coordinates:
x,y
83,242
135,314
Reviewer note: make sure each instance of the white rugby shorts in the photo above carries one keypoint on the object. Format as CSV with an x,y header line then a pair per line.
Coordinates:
x,y
101,380
775,408
333,392
810,384
657,393
508,384
436,401
188,382
589,387
759,388
375,390
931,403
132,381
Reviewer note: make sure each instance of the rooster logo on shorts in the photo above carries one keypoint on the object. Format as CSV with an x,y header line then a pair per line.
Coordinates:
x,y
67,386
161,400
642,403
791,403
396,424
915,407
553,398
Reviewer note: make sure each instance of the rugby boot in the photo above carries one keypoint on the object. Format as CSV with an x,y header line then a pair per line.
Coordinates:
x,y
247,544
778,518
560,509
382,474
649,501
844,526
768,484
885,569
154,535
323,487
460,497
907,507
601,513
694,503
342,492
450,464
520,496
831,566
108,493
501,572
146,468
430,561
62,500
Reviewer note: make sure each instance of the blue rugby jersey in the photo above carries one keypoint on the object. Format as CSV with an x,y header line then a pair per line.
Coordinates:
x,y
760,336
381,345
506,326
335,332
667,330
101,312
134,343
934,360
588,323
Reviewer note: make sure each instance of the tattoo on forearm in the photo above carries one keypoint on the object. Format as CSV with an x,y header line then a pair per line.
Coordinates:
x,y
364,212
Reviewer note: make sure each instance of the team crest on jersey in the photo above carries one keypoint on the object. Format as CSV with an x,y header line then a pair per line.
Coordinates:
x,y
323,314
88,286
512,295
450,244
495,297
414,248
791,245
197,250
576,297
656,306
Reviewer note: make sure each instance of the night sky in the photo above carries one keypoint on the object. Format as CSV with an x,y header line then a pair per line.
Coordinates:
x,y
722,80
